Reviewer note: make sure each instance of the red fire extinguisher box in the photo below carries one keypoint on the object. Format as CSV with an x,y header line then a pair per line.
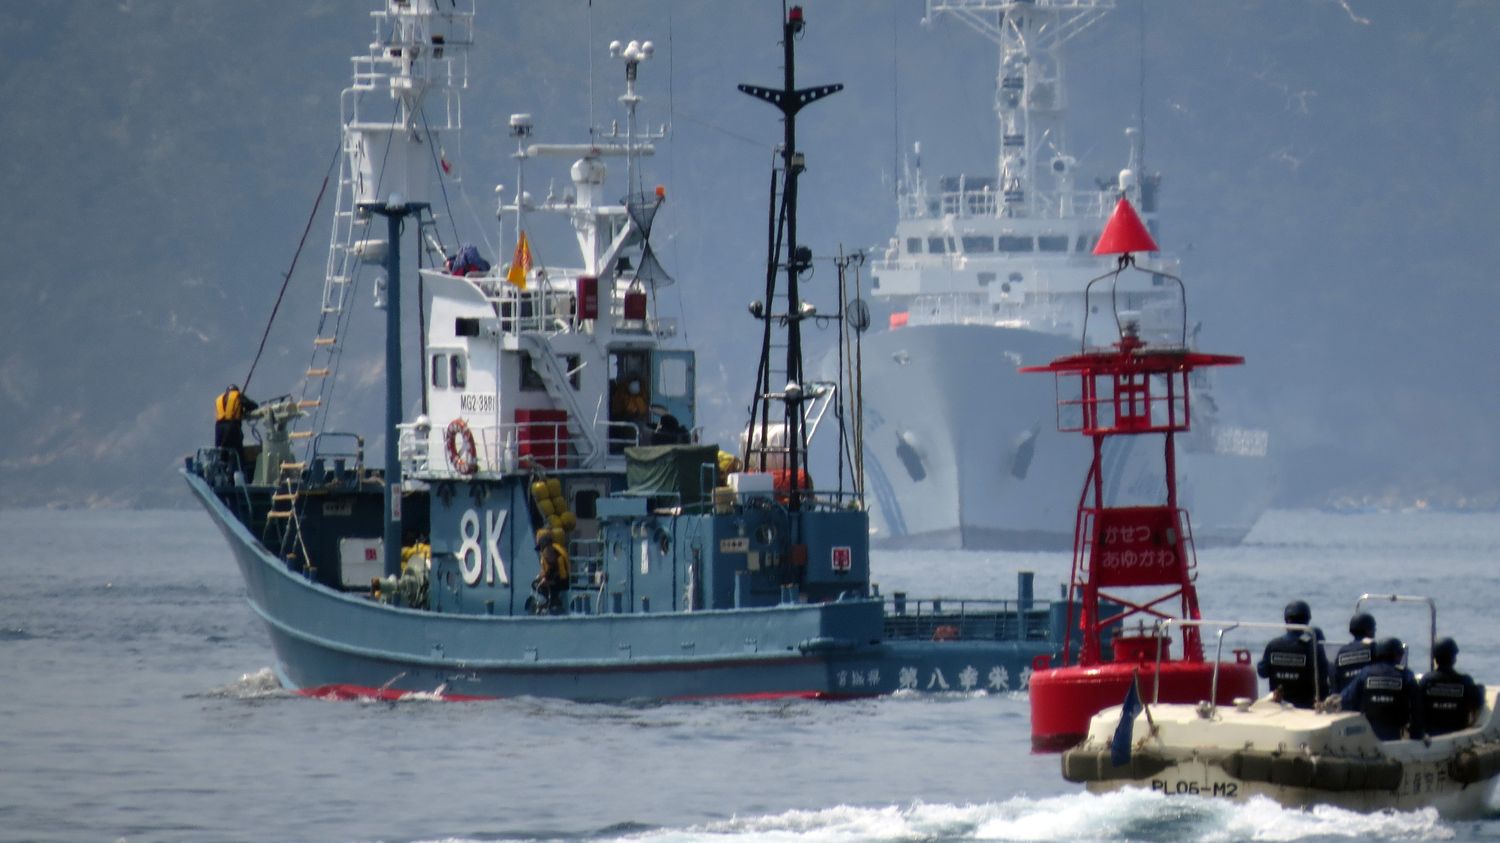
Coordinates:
x,y
588,297
635,304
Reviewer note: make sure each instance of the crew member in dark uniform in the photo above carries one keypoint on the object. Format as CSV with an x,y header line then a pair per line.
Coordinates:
x,y
1294,663
1357,654
1450,700
229,411
669,431
1386,694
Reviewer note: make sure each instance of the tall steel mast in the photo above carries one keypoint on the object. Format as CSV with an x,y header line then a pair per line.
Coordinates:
x,y
789,99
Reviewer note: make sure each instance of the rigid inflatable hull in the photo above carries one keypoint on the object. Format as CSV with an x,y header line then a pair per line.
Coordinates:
x,y
1423,785
1297,757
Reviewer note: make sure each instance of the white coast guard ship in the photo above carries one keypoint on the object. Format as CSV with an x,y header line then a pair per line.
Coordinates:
x,y
986,274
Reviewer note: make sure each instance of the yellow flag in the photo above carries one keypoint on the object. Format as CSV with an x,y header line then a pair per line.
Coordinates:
x,y
520,265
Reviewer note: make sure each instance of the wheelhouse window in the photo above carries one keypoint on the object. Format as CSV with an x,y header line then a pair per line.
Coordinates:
x,y
440,371
672,378
1015,243
458,369
1052,243
914,245
936,245
978,243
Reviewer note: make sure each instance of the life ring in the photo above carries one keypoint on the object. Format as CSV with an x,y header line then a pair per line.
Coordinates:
x,y
462,454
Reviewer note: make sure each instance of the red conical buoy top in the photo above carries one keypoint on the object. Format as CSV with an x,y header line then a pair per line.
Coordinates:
x,y
1124,233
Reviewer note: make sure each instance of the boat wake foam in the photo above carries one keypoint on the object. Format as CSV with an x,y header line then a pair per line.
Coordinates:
x,y
951,696
1130,815
260,685
1141,815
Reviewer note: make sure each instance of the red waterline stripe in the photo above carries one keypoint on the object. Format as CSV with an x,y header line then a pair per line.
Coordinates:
x,y
360,692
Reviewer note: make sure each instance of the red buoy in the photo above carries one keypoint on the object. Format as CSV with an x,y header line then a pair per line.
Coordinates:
x,y
1129,562
1124,232
1064,699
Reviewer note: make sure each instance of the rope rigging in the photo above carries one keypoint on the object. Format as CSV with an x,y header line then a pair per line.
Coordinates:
x,y
286,279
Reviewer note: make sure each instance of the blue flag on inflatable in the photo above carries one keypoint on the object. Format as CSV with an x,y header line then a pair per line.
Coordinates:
x,y
1119,747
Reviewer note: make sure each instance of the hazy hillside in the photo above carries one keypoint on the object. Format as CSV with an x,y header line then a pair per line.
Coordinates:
x,y
1329,171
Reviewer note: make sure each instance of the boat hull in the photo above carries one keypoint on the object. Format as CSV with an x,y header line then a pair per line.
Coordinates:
x,y
1209,780
1297,757
962,451
340,644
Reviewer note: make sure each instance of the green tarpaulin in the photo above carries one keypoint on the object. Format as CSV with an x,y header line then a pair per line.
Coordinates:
x,y
672,470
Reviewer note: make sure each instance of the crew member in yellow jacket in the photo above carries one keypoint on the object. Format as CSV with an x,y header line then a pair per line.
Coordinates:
x,y
551,584
229,411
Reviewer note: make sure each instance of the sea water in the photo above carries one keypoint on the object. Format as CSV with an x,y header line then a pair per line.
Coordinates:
x,y
137,703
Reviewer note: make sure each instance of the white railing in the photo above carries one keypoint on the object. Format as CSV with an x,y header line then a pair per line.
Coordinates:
x,y
541,308
1091,204
982,202
506,448
976,309
548,308
951,309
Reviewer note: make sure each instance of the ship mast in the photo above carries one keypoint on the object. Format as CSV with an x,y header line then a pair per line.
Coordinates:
x,y
789,100
1029,95
405,96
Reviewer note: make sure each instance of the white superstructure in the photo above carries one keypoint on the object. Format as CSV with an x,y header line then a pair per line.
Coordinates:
x,y
534,360
522,363
987,273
